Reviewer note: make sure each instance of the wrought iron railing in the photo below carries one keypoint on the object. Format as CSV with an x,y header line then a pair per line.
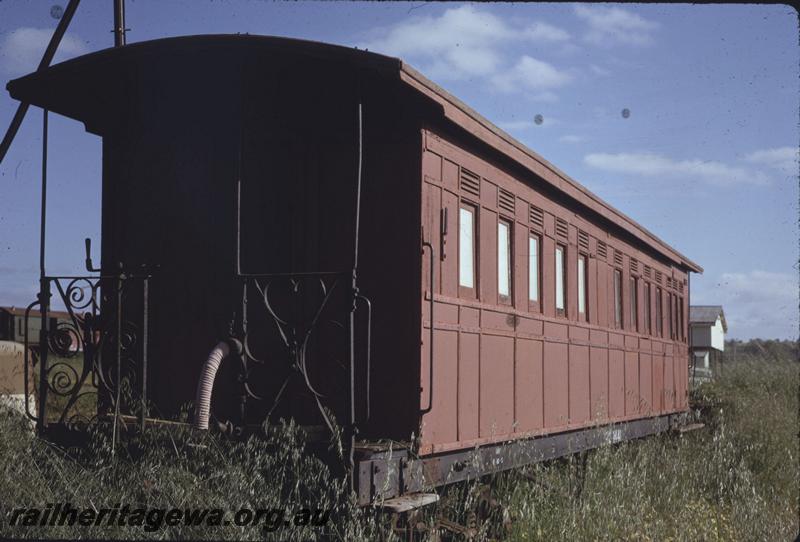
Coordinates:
x,y
93,362
288,312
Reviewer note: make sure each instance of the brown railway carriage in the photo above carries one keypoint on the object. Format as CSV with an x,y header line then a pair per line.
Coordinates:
x,y
513,356
231,169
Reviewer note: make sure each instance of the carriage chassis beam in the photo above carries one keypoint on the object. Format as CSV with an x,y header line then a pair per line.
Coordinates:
x,y
386,474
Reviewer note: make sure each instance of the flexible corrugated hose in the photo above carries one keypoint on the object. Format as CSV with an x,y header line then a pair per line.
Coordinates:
x,y
202,403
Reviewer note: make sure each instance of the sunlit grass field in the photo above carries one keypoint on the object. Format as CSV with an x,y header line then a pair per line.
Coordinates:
x,y
736,479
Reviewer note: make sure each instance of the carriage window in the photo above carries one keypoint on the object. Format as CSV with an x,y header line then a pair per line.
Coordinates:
x,y
533,268
669,316
504,258
582,286
659,316
618,298
680,320
634,297
561,294
466,247
648,321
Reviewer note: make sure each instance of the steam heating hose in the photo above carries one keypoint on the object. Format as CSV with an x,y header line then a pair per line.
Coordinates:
x,y
202,403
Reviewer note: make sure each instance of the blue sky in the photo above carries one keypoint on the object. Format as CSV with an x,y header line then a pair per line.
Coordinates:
x,y
707,158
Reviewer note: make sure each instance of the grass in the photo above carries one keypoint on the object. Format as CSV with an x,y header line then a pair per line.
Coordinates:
x,y
737,479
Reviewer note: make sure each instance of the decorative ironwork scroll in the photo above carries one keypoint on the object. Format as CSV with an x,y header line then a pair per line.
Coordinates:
x,y
93,360
295,329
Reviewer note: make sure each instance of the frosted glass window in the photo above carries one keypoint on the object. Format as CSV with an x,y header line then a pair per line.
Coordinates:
x,y
634,298
533,268
582,284
560,278
659,314
618,298
503,259
466,248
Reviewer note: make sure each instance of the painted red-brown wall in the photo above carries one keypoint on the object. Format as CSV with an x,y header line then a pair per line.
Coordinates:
x,y
509,369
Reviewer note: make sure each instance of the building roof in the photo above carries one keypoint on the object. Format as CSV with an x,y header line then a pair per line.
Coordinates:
x,y
84,88
35,313
707,314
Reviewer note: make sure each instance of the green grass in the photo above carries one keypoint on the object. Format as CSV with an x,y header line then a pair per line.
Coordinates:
x,y
737,479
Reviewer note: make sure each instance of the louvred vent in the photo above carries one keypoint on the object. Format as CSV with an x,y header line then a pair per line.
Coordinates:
x,y
647,271
505,200
470,182
634,266
658,277
583,240
601,250
561,228
617,257
537,217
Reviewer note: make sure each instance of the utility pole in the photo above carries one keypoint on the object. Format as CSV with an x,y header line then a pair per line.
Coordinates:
x,y
119,23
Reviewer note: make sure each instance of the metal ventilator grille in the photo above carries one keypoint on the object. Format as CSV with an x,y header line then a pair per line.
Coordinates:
x,y
470,182
561,228
505,200
583,240
601,250
537,217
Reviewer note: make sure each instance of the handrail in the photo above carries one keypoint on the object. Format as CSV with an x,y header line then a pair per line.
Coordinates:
x,y
369,350
430,345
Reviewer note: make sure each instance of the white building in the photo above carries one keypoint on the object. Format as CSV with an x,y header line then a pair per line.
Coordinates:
x,y
707,328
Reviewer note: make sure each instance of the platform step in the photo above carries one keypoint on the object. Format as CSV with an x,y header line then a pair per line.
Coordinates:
x,y
406,503
691,427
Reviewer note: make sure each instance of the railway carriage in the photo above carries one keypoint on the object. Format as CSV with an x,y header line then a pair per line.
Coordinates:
x,y
354,246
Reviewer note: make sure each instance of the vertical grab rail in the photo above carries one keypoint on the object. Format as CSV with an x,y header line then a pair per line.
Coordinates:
x,y
368,304
430,345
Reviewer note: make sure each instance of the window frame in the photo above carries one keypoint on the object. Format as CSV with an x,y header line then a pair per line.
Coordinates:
x,y
619,302
535,304
659,313
561,312
583,289
506,299
670,327
472,209
633,301
648,310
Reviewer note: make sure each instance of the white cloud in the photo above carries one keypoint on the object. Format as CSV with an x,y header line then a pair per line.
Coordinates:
x,y
598,70
610,26
757,304
783,159
543,32
655,165
461,42
531,75
571,138
21,50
